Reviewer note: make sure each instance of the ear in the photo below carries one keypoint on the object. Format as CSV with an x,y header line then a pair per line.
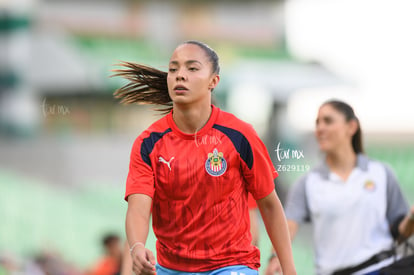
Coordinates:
x,y
353,126
214,81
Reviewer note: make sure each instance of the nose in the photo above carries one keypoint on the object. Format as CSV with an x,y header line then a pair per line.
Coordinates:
x,y
180,75
318,127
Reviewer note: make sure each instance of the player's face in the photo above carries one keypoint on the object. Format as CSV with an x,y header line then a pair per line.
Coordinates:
x,y
332,129
190,75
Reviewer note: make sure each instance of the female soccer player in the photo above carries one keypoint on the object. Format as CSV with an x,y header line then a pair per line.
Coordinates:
x,y
193,169
354,203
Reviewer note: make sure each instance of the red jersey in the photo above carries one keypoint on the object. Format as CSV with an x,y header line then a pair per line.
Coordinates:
x,y
199,186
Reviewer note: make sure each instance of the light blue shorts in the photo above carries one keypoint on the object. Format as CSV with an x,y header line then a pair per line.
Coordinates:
x,y
228,270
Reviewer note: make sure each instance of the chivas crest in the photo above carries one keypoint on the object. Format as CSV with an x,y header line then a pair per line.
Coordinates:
x,y
216,165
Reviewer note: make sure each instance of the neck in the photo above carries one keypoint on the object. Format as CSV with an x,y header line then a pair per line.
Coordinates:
x,y
191,119
342,161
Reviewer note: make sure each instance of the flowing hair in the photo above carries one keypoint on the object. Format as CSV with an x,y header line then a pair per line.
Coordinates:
x,y
147,85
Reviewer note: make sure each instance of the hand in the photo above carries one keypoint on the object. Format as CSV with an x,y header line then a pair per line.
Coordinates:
x,y
143,261
273,267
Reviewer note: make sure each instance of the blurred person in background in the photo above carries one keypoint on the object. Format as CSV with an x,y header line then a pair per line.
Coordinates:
x,y
354,203
110,263
194,167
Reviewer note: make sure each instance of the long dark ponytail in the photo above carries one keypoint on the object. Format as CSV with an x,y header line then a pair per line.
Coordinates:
x,y
349,114
147,85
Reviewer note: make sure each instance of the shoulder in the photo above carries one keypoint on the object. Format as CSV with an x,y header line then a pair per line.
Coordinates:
x,y
154,132
231,119
231,123
364,162
243,137
374,166
387,171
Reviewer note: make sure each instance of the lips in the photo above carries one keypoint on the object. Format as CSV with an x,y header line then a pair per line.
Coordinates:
x,y
180,88
322,138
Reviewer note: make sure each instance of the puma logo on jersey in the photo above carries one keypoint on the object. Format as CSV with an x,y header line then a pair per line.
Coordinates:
x,y
161,159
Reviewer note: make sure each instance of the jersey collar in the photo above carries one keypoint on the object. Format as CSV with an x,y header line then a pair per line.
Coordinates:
x,y
362,163
213,117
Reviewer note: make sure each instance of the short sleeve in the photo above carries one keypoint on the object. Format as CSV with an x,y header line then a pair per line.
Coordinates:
x,y
297,208
259,172
140,178
397,206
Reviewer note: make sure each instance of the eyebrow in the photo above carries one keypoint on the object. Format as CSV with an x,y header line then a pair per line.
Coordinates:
x,y
325,118
188,62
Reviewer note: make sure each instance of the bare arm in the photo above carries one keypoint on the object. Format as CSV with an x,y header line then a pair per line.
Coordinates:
x,y
277,228
137,226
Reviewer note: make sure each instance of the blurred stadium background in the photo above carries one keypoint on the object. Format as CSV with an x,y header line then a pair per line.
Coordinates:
x,y
65,142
